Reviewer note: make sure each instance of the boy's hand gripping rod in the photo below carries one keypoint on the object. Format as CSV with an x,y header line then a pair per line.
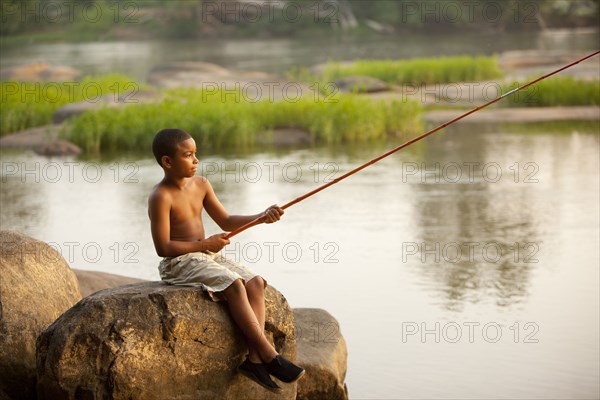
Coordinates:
x,y
260,220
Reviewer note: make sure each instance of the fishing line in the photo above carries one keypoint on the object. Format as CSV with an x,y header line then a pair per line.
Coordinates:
x,y
408,143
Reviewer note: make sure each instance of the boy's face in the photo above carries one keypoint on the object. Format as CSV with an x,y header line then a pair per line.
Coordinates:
x,y
184,163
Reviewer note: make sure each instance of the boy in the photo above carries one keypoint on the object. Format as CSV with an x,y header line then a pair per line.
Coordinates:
x,y
174,207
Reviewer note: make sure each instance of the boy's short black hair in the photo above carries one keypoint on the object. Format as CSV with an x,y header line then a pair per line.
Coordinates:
x,y
165,142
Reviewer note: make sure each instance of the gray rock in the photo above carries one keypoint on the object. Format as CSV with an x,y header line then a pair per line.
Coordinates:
x,y
322,352
36,287
282,137
161,71
57,147
360,84
130,97
252,86
42,140
155,341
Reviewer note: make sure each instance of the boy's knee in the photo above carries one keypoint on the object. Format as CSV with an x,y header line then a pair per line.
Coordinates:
x,y
256,284
235,289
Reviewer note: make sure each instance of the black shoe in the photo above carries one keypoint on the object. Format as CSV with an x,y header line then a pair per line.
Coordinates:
x,y
284,370
259,374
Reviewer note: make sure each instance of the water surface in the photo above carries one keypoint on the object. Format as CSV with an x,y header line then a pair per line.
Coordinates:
x,y
462,267
137,58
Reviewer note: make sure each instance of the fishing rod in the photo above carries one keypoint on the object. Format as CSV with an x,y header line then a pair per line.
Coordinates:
x,y
261,219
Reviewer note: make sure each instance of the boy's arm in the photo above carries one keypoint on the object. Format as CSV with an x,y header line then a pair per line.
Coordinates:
x,y
227,222
159,208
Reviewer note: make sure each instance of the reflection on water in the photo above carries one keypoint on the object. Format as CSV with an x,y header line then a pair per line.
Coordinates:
x,y
468,228
464,195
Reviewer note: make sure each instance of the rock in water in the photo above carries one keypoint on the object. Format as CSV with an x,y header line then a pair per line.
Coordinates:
x,y
360,84
155,341
92,281
40,72
322,352
36,287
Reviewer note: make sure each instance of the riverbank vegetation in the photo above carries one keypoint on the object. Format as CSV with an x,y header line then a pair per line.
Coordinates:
x,y
216,124
417,72
30,104
556,91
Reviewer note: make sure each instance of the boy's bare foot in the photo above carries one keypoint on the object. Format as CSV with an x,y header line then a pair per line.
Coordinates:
x,y
259,374
284,370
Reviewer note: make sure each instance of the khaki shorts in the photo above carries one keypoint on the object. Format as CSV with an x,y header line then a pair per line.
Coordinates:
x,y
212,272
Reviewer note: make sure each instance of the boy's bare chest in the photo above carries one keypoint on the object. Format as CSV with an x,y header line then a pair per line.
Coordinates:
x,y
186,205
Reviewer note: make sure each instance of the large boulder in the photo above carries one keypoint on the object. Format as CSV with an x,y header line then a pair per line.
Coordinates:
x,y
322,352
93,281
155,341
36,287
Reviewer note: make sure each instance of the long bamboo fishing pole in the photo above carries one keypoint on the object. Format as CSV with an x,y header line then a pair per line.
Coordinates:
x,y
373,161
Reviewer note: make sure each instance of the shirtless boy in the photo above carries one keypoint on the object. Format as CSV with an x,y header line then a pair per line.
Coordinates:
x,y
189,258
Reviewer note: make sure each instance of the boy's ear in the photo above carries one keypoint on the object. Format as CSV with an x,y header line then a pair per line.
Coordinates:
x,y
165,161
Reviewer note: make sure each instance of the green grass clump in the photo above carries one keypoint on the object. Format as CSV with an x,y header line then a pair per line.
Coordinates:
x,y
29,104
420,71
553,127
556,91
216,122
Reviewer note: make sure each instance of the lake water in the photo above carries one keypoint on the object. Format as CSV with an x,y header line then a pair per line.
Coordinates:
x,y
466,266
462,267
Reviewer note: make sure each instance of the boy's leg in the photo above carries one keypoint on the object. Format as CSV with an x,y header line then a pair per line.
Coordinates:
x,y
246,320
256,297
278,366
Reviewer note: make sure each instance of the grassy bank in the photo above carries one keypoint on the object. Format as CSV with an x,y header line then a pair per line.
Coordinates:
x,y
419,71
217,124
554,127
555,91
29,104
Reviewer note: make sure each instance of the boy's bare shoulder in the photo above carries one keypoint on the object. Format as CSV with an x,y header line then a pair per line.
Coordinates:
x,y
201,182
159,193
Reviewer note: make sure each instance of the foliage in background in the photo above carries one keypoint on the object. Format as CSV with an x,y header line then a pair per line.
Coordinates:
x,y
94,19
30,104
215,124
